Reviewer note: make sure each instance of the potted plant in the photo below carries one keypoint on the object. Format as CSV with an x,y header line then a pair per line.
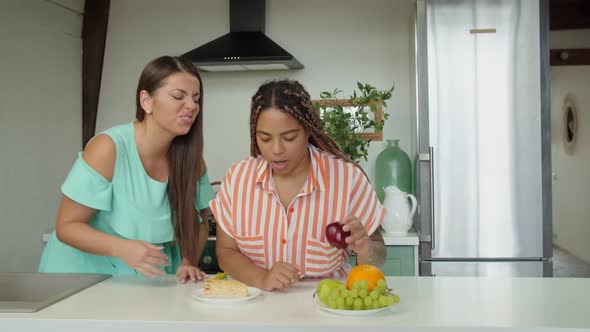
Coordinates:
x,y
347,120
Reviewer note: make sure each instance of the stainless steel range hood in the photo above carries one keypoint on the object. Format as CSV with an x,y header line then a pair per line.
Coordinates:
x,y
245,47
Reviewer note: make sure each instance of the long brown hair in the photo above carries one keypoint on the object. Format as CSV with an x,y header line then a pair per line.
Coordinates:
x,y
184,155
291,97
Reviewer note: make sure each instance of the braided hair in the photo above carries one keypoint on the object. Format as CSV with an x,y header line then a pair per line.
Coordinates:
x,y
291,97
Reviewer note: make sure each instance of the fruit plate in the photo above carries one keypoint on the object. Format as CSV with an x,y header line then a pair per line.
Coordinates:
x,y
353,312
199,295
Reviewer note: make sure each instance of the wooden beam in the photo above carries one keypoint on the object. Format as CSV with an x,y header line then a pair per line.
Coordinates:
x,y
570,57
94,32
569,14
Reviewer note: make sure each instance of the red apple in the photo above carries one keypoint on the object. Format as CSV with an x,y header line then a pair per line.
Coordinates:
x,y
336,236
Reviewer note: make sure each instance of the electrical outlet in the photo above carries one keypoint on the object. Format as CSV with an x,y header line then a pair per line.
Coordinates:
x,y
45,237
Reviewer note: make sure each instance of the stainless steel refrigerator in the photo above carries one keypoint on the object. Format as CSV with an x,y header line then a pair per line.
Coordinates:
x,y
483,165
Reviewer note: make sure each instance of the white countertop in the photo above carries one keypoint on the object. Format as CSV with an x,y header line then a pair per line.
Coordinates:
x,y
427,303
408,239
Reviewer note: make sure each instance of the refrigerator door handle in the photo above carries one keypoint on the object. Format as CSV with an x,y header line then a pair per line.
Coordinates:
x,y
431,164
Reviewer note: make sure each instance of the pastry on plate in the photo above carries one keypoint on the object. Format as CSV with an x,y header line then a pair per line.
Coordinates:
x,y
233,288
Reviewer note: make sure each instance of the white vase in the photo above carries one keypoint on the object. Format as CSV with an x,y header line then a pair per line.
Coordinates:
x,y
399,215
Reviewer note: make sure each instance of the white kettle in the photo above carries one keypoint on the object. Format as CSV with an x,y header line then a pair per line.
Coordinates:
x,y
399,215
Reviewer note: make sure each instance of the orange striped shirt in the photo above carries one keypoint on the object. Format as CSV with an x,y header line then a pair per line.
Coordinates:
x,y
248,209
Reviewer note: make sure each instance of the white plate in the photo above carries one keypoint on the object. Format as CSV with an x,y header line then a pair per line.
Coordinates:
x,y
352,312
252,293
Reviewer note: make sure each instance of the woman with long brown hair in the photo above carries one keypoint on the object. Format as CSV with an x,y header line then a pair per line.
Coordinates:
x,y
272,208
132,202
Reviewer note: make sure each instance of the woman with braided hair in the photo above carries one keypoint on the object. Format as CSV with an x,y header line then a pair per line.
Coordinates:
x,y
272,208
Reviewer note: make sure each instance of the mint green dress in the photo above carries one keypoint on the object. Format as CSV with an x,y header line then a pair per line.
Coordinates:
x,y
131,206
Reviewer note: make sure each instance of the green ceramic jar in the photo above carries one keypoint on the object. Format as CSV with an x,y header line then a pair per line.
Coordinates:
x,y
392,167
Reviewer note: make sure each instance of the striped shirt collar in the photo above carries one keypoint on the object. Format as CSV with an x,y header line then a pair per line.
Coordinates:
x,y
316,178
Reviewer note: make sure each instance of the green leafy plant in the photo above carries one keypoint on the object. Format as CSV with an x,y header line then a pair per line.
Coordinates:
x,y
345,120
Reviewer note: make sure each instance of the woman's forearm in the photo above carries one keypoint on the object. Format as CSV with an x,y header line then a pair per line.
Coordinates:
x,y
85,238
375,253
240,267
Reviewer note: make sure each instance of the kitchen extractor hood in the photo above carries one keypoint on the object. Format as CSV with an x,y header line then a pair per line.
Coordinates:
x,y
245,47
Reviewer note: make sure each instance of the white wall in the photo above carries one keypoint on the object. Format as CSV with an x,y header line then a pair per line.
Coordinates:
x,y
40,121
338,41
571,186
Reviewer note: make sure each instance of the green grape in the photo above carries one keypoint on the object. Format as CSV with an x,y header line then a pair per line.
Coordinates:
x,y
328,284
344,293
363,284
354,293
379,290
324,290
374,305
324,297
358,304
348,302
368,302
381,283
374,295
384,301
363,293
332,304
340,302
389,299
334,293
377,304
356,286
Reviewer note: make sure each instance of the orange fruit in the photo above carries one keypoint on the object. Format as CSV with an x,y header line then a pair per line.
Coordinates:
x,y
369,273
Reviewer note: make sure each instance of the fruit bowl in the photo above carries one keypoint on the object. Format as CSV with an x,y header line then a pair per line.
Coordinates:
x,y
358,297
351,312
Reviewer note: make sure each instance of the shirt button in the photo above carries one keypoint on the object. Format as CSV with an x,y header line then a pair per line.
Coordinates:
x,y
283,241
291,210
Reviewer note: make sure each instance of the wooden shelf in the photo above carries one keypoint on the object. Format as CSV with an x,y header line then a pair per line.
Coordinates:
x,y
569,14
570,57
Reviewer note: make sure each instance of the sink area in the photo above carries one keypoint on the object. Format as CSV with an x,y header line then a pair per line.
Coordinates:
x,y
30,292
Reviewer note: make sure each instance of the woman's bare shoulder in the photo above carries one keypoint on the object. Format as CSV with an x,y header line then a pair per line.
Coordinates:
x,y
100,154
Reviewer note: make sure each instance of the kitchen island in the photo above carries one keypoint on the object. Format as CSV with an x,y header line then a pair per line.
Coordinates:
x,y
427,304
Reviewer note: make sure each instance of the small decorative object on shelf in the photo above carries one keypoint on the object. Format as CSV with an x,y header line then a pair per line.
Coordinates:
x,y
354,122
399,213
570,57
569,125
392,168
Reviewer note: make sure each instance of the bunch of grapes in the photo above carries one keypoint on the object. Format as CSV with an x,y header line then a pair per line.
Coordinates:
x,y
335,295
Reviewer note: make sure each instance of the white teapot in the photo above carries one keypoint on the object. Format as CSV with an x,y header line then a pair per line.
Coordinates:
x,y
399,216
